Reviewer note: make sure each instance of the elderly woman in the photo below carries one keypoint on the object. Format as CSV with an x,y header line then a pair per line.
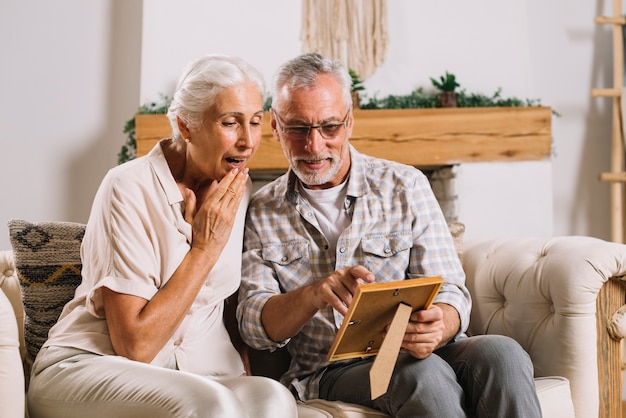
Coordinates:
x,y
145,334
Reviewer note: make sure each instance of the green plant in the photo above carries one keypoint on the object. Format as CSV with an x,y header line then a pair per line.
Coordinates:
x,y
357,83
446,82
420,99
129,149
417,99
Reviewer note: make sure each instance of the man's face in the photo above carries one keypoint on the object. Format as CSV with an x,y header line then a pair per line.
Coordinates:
x,y
320,159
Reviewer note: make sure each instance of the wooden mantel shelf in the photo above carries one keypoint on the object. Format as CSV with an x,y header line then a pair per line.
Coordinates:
x,y
419,137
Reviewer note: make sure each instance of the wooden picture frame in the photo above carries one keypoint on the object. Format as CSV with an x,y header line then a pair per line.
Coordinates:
x,y
373,308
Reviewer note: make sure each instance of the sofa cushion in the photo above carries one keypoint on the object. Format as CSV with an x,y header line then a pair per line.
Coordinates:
x,y
47,259
11,372
457,230
555,397
339,409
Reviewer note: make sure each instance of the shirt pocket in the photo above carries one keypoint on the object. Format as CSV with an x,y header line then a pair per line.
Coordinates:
x,y
290,261
387,256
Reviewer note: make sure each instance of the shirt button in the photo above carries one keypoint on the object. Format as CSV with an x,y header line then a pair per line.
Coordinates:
x,y
387,250
309,214
342,250
284,258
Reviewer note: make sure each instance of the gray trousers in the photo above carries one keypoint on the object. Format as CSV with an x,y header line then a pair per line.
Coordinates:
x,y
67,383
482,376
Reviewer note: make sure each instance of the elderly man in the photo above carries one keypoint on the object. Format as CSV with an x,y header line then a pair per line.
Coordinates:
x,y
339,218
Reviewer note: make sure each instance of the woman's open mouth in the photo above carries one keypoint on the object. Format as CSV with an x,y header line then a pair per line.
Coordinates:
x,y
236,162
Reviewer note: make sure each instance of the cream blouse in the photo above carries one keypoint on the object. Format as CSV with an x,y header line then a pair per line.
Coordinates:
x,y
135,238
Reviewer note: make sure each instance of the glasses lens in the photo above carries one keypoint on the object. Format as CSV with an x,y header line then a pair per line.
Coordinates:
x,y
297,133
331,130
301,133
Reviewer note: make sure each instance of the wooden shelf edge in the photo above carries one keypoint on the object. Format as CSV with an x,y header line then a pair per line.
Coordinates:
x,y
419,137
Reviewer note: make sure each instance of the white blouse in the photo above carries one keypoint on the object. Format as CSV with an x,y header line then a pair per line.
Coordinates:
x,y
135,239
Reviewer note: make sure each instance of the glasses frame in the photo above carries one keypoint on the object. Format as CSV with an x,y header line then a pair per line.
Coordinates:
x,y
284,127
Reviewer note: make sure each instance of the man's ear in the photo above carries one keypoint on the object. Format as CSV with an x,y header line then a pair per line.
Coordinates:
x,y
351,123
182,127
274,126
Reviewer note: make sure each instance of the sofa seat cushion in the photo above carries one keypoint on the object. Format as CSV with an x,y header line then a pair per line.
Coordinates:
x,y
338,409
553,393
555,397
308,411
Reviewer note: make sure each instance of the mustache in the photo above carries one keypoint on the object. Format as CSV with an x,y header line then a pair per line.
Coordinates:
x,y
315,157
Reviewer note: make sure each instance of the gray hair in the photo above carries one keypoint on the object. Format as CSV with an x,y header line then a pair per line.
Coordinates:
x,y
201,81
302,72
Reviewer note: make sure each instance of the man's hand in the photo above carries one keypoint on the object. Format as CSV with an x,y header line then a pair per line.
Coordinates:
x,y
430,329
337,289
284,315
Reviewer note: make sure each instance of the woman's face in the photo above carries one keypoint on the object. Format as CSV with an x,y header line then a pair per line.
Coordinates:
x,y
229,135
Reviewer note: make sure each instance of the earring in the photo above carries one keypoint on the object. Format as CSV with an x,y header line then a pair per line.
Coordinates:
x,y
187,140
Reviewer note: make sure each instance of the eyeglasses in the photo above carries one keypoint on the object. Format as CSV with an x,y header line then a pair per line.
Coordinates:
x,y
300,133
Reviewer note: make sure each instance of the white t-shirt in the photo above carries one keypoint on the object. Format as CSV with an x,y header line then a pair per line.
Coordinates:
x,y
330,206
135,239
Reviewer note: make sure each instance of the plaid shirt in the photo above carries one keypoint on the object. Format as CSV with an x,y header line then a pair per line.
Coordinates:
x,y
397,232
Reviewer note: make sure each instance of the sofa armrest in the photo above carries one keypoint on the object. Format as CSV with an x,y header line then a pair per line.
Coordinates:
x,y
556,297
11,371
10,285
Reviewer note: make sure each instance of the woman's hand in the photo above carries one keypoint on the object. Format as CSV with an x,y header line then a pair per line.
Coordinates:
x,y
140,327
212,220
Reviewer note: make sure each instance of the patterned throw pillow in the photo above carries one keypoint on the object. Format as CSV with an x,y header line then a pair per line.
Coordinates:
x,y
47,258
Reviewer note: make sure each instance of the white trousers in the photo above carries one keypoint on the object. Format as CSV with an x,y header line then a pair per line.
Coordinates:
x,y
67,383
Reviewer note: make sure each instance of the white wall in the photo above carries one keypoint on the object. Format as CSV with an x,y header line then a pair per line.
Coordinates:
x,y
69,79
73,72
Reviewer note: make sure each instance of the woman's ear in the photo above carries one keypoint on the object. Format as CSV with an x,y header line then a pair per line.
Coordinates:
x,y
182,127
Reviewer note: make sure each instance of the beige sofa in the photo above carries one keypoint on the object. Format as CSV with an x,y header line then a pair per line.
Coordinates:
x,y
560,298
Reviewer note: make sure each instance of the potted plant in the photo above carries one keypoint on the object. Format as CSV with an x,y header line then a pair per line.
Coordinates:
x,y
357,86
446,85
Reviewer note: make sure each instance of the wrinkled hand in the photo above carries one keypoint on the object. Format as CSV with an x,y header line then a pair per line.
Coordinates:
x,y
212,220
337,289
425,332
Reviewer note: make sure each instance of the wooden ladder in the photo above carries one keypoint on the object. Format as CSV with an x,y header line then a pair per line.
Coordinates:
x,y
617,176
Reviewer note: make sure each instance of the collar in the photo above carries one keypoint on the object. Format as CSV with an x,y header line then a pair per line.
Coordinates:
x,y
164,174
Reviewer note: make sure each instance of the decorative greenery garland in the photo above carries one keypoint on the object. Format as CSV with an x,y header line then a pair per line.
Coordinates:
x,y
419,99
129,149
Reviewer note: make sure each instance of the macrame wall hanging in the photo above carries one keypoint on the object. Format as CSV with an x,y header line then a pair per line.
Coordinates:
x,y
351,31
